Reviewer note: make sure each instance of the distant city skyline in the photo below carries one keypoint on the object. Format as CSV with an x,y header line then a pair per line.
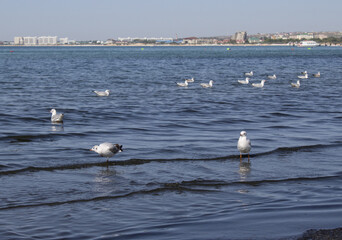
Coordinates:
x,y
104,19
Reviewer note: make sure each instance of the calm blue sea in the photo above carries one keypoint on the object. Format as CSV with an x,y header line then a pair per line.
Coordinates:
x,y
179,176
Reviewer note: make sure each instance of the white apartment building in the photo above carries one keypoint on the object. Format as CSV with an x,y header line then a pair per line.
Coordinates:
x,y
63,40
47,40
30,41
19,41
33,41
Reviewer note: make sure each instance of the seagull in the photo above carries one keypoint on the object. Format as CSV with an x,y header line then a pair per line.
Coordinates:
x,y
316,74
303,76
185,84
249,73
207,85
56,117
272,77
259,85
102,94
244,144
246,81
107,149
296,85
190,80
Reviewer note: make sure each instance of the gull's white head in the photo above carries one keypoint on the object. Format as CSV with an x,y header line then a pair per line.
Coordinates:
x,y
107,91
53,111
95,148
243,134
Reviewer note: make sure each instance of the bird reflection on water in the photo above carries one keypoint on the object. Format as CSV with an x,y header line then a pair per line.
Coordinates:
x,y
244,170
57,127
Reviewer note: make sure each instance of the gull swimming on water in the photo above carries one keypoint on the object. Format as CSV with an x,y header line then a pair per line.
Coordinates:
x,y
190,80
316,74
259,85
207,85
184,84
56,117
249,73
303,76
244,144
246,81
102,94
272,76
296,85
107,149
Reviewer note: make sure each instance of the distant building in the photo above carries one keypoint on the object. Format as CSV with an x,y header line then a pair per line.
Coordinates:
x,y
305,36
190,40
142,39
63,40
47,40
110,41
240,37
320,36
254,40
42,40
30,41
18,40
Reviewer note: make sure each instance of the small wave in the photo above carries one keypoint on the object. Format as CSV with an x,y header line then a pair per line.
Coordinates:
x,y
102,198
37,137
184,186
144,161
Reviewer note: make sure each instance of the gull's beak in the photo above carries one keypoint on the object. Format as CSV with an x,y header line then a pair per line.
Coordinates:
x,y
91,150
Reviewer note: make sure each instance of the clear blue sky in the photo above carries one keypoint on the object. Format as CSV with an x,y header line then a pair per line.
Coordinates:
x,y
103,19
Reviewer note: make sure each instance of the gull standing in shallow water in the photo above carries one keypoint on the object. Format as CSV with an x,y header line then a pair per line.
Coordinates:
x,y
296,85
107,149
102,94
259,85
246,81
207,85
244,144
56,117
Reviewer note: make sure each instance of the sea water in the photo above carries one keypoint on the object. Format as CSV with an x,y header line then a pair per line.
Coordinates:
x,y
180,175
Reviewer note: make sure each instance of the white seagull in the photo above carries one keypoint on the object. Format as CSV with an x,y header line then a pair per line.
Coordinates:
x,y
303,76
316,74
244,144
272,76
249,73
246,81
207,85
190,80
56,117
184,84
296,85
259,85
107,149
102,94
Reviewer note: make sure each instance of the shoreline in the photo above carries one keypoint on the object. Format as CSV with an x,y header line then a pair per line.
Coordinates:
x,y
166,45
321,234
